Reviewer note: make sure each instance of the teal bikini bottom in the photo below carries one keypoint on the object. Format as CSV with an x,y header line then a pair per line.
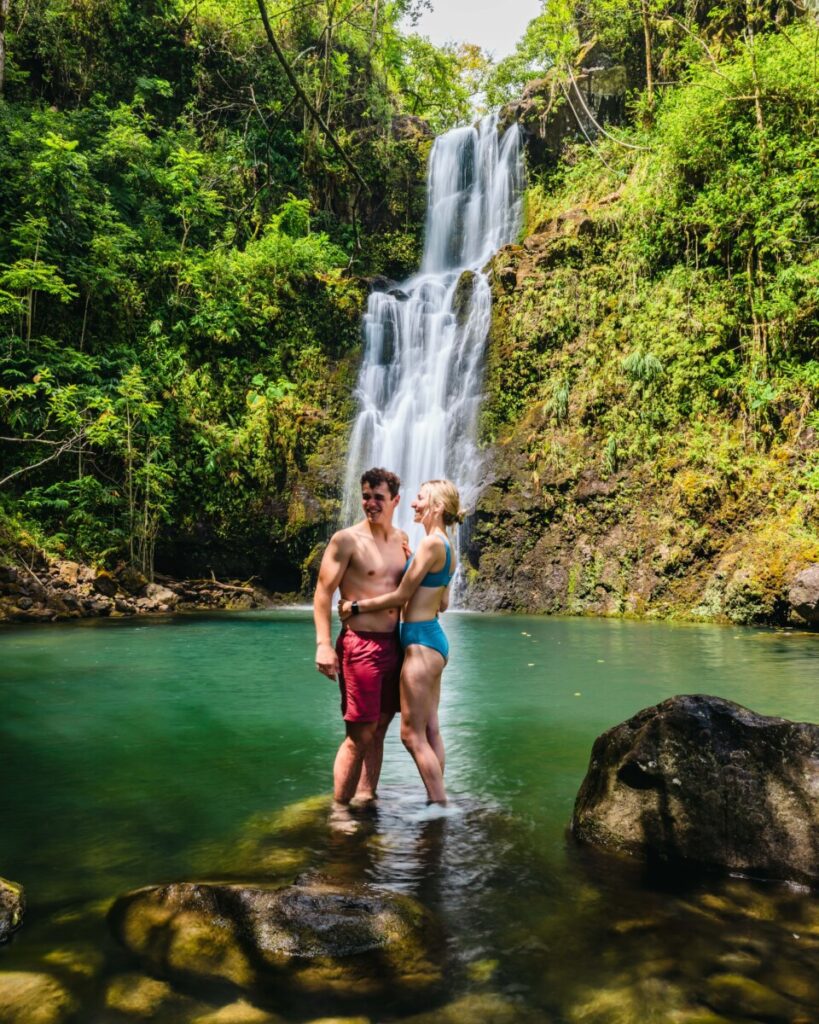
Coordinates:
x,y
426,634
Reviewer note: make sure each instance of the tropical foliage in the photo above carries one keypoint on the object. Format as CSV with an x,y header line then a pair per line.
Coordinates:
x,y
180,246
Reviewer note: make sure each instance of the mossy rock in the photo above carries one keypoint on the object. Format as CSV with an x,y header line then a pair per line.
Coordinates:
x,y
27,997
12,907
271,847
463,296
315,942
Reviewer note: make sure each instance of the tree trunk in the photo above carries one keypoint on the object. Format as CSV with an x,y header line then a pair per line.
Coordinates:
x,y
649,73
4,12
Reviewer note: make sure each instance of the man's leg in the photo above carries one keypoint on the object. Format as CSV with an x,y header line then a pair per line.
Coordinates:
x,y
371,771
350,759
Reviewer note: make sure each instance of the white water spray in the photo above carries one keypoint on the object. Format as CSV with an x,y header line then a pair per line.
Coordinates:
x,y
420,383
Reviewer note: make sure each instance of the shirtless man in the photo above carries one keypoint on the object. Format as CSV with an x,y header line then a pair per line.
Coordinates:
x,y
365,560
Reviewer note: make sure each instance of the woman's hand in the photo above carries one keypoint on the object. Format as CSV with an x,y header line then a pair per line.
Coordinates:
x,y
345,609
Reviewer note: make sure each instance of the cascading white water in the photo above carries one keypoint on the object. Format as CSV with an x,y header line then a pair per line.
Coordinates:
x,y
420,382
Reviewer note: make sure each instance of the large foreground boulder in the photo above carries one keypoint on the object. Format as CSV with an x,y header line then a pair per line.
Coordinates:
x,y
705,781
12,906
314,939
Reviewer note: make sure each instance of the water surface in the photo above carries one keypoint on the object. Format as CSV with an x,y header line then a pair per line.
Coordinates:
x,y
141,752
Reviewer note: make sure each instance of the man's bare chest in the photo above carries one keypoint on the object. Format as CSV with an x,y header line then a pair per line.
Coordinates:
x,y
378,563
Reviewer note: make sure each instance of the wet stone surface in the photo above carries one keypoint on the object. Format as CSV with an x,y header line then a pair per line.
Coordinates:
x,y
315,940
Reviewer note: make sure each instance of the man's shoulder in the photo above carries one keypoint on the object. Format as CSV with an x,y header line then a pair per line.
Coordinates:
x,y
344,537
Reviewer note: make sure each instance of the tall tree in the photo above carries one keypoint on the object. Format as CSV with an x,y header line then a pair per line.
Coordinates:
x,y
4,13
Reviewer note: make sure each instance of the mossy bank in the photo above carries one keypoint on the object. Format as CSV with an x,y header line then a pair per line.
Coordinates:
x,y
652,384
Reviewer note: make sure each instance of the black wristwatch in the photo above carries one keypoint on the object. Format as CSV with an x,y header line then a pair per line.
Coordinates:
x,y
354,608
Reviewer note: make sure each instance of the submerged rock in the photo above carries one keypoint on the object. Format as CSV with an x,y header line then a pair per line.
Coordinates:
x,y
480,1008
27,997
736,994
239,1012
136,994
271,848
703,780
12,906
314,939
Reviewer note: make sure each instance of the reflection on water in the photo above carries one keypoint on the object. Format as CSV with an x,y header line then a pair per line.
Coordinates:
x,y
134,755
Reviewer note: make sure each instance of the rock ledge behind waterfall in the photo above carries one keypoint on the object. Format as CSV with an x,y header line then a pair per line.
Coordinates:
x,y
703,780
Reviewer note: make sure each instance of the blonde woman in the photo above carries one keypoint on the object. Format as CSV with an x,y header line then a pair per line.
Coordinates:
x,y
422,593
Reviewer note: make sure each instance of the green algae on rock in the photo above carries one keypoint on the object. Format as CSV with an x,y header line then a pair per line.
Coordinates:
x,y
12,907
313,941
272,846
27,997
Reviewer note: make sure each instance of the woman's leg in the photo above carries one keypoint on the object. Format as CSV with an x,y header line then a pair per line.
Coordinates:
x,y
420,691
436,741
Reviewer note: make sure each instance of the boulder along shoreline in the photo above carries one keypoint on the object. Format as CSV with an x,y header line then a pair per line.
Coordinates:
x,y
44,589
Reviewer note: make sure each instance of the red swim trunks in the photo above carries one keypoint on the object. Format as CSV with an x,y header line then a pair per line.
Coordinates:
x,y
369,669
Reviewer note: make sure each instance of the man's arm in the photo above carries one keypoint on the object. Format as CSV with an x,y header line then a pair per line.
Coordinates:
x,y
334,564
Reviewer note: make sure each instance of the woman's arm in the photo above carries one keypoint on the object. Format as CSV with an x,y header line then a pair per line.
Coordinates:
x,y
422,563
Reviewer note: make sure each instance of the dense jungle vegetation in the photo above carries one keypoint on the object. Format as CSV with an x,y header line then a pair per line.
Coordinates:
x,y
181,247
187,223
660,334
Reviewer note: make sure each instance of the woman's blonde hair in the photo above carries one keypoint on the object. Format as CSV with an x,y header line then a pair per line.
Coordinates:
x,y
445,493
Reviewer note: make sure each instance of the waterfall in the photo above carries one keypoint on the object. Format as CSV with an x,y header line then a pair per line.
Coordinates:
x,y
419,388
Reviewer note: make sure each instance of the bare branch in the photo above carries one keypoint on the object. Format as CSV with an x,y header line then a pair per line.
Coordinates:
x,y
70,444
582,127
30,440
599,127
291,76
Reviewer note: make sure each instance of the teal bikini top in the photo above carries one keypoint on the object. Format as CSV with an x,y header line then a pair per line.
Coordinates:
x,y
440,578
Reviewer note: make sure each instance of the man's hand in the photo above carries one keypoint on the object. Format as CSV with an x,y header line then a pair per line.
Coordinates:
x,y
327,660
345,609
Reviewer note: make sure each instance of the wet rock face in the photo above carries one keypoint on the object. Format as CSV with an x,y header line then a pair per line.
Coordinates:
x,y
12,906
314,939
804,595
596,97
705,781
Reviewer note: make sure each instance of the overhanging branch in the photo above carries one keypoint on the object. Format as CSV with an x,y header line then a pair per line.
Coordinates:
x,y
291,77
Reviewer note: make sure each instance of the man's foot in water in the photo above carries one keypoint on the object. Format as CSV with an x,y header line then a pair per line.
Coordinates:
x,y
341,819
364,801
